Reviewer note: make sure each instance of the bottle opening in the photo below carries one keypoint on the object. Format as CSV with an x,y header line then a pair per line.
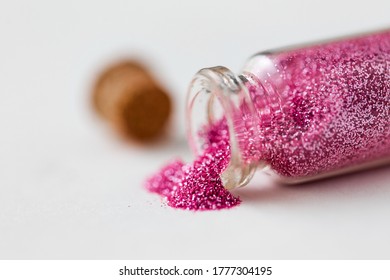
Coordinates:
x,y
217,93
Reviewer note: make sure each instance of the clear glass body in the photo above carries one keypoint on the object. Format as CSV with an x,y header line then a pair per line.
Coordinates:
x,y
301,113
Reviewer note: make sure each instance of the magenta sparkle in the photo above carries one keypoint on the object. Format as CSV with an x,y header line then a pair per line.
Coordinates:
x,y
323,108
198,186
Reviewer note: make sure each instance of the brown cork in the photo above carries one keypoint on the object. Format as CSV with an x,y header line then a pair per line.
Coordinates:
x,y
129,97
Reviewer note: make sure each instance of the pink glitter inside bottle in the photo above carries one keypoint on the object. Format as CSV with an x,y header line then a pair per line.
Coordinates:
x,y
302,113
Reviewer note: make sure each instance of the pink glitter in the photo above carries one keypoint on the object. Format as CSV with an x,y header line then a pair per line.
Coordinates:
x,y
328,107
318,109
198,186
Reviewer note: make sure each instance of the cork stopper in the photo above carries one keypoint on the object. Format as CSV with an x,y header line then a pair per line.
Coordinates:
x,y
131,100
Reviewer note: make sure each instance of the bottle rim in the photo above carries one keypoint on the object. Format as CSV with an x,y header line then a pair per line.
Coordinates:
x,y
214,93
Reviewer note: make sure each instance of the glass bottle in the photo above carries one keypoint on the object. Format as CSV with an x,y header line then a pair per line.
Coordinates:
x,y
302,113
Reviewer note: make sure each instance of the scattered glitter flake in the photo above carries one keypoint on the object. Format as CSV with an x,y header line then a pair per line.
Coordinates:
x,y
198,186
167,180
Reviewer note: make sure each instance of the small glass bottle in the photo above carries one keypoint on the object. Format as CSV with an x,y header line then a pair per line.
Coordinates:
x,y
301,113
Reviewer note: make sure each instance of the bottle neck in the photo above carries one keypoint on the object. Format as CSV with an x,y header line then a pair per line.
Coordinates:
x,y
217,93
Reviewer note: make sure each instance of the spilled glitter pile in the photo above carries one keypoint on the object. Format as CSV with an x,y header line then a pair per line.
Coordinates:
x,y
197,186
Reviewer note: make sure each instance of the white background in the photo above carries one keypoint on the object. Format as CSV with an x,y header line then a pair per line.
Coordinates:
x,y
70,188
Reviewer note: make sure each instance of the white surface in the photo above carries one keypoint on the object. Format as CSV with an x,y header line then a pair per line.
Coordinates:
x,y
69,188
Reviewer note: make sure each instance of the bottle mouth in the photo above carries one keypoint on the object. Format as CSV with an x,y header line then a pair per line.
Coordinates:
x,y
217,93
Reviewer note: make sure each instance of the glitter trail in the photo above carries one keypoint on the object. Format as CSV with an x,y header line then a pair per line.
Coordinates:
x,y
198,186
